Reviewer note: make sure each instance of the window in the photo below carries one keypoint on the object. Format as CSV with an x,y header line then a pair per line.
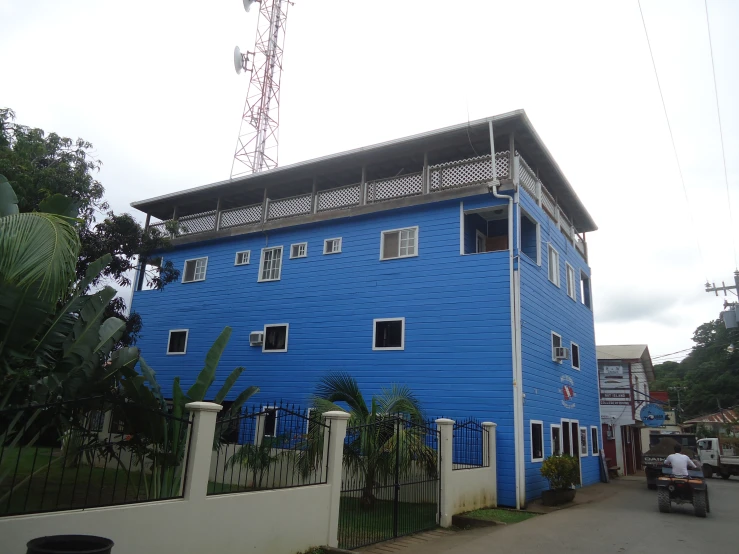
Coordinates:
x,y
556,343
270,421
243,258
585,290
594,441
537,441
149,277
479,242
195,270
332,246
388,334
299,250
270,267
484,230
399,243
553,265
575,355
556,440
583,441
177,343
530,237
275,337
571,291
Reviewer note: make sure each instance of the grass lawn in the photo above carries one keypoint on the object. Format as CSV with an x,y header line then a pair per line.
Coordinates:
x,y
358,527
497,514
40,482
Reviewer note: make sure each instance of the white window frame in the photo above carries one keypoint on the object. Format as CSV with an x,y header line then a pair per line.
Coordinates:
x,y
551,249
531,438
205,270
257,438
382,243
574,345
169,339
522,214
589,303
374,334
264,341
553,347
248,257
551,438
594,447
261,264
570,271
479,235
325,244
587,440
299,244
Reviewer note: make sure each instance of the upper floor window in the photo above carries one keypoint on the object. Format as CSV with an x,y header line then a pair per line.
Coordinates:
x,y
389,334
299,250
571,287
553,265
585,290
195,270
332,246
243,258
270,267
530,237
399,243
575,355
556,343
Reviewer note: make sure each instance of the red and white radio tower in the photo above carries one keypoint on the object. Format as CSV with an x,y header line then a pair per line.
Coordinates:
x,y
256,147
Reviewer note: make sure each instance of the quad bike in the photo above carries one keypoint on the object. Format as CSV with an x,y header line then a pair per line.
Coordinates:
x,y
691,490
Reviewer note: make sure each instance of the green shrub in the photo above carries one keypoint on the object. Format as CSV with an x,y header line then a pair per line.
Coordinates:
x,y
561,471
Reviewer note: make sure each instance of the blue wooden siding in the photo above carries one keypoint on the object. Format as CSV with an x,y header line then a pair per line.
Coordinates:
x,y
546,308
457,356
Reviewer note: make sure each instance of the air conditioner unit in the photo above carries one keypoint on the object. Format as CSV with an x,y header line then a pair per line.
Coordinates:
x,y
561,353
256,338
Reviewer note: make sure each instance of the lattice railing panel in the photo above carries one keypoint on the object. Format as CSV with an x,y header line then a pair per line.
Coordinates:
x,y
460,174
342,197
197,223
397,187
503,165
161,226
580,245
527,177
290,207
244,215
548,203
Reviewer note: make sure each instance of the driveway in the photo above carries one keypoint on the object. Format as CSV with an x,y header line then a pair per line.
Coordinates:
x,y
624,521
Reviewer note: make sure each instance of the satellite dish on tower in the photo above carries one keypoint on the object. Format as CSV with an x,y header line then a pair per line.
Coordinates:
x,y
247,4
238,60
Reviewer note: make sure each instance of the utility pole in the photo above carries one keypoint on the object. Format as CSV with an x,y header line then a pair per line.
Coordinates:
x,y
679,403
729,316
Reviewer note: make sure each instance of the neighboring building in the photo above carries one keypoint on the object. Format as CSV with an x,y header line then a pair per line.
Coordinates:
x,y
398,264
724,422
625,371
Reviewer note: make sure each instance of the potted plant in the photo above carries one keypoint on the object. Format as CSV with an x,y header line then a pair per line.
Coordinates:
x,y
562,472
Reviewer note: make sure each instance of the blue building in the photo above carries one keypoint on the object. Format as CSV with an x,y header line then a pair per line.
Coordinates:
x,y
422,261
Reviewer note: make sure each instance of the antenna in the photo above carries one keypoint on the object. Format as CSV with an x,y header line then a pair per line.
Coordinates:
x,y
256,146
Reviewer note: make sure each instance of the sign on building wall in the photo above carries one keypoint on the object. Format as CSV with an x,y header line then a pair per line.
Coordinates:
x,y
615,388
615,398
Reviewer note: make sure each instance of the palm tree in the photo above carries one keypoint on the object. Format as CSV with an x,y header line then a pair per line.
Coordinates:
x,y
384,438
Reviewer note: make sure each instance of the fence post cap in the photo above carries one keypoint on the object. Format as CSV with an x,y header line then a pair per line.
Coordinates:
x,y
336,414
489,424
444,421
203,407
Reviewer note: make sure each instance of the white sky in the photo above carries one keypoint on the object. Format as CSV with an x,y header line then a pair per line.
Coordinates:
x,y
152,85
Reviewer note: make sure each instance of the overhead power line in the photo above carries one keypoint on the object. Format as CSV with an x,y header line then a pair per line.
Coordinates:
x,y
672,137
671,353
721,134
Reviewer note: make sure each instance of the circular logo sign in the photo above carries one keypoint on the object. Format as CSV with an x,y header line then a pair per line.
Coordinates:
x,y
652,415
568,391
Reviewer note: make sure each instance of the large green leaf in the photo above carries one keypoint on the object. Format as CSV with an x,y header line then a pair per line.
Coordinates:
x,y
84,334
230,380
208,374
150,376
22,315
243,396
38,249
110,330
58,204
8,199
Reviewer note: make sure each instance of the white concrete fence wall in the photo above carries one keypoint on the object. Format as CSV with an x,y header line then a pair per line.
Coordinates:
x,y
282,521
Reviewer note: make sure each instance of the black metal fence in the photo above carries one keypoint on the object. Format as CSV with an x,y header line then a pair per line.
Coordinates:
x,y
390,481
269,447
470,439
89,453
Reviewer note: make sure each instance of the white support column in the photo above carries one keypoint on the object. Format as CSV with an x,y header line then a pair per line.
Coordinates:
x,y
265,207
490,454
337,423
261,420
538,192
446,432
363,187
200,448
218,214
313,199
426,177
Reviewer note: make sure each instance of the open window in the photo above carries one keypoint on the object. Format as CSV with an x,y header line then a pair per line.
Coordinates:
x,y
530,237
537,441
595,447
556,431
150,274
485,230
177,342
195,270
585,290
275,338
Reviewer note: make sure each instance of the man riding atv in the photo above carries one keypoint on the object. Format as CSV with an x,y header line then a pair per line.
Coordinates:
x,y
679,463
680,485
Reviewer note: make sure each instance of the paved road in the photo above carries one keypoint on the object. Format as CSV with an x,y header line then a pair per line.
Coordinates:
x,y
624,522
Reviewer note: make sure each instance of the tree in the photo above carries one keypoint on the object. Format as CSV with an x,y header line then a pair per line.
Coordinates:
x,y
374,452
40,166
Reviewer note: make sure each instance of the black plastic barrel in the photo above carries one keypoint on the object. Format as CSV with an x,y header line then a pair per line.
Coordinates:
x,y
70,544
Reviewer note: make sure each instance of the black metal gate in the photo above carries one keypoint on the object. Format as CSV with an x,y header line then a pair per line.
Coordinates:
x,y
390,481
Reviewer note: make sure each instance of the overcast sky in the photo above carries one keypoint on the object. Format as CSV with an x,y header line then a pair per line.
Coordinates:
x,y
151,84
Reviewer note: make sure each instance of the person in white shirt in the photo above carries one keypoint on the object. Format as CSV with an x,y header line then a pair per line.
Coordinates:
x,y
679,463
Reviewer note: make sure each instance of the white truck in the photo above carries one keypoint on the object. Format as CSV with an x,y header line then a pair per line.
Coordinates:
x,y
719,457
